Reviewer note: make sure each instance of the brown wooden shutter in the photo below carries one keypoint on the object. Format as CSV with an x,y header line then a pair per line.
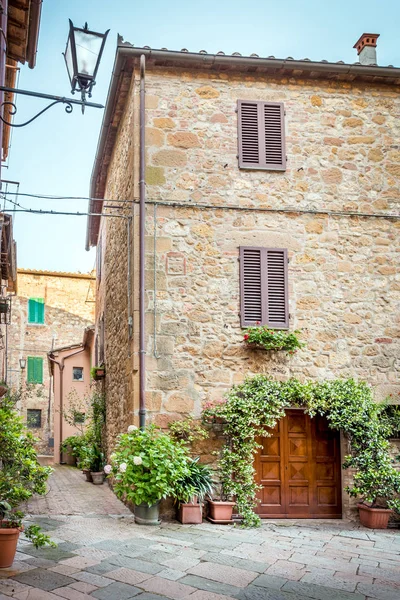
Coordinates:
x,y
261,135
264,287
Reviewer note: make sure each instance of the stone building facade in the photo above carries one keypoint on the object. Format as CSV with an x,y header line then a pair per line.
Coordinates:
x,y
330,208
68,309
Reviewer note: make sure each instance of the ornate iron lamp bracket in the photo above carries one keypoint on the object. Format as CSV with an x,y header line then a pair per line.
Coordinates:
x,y
12,109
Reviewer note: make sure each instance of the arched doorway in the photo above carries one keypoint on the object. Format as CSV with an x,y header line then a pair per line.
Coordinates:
x,y
299,469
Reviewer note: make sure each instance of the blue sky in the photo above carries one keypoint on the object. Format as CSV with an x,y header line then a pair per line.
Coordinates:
x,y
54,155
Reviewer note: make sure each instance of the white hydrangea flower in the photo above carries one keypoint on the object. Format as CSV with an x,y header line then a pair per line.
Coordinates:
x,y
137,460
131,428
107,469
113,456
122,467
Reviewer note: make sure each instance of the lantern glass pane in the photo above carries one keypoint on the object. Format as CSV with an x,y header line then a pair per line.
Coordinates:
x,y
68,61
88,48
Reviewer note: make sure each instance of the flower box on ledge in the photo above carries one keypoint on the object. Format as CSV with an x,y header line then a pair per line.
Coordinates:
x,y
98,373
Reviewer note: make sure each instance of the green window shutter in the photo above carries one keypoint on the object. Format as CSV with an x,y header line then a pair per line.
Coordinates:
x,y
39,370
40,310
31,369
36,310
35,369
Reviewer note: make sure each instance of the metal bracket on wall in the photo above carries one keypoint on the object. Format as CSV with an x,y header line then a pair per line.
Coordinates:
x,y
69,102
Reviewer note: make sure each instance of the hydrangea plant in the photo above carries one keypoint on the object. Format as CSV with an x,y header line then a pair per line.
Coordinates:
x,y
146,464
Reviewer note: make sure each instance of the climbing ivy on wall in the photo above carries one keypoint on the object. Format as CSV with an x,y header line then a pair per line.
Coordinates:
x,y
257,404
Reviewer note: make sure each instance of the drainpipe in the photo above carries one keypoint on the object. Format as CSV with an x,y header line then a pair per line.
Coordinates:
x,y
142,217
61,366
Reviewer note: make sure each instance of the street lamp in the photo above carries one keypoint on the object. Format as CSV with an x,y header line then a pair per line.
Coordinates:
x,y
82,58
22,363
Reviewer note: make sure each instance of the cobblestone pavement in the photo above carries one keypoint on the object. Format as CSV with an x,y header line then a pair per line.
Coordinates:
x,y
70,494
109,557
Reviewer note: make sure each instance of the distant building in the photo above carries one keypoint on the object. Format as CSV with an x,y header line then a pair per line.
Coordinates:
x,y
51,310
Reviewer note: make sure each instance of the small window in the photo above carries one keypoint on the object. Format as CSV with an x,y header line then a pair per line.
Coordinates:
x,y
77,373
34,418
79,417
261,135
36,311
35,369
264,287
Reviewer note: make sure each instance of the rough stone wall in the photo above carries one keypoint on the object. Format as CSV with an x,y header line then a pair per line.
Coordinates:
x,y
343,155
69,309
112,289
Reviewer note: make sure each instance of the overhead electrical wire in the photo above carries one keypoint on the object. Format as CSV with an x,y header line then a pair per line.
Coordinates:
x,y
175,204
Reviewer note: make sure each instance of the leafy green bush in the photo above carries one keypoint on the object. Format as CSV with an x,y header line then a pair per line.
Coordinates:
x,y
146,464
21,475
259,402
273,339
187,430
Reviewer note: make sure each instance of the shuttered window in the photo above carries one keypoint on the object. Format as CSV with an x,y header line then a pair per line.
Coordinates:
x,y
261,135
35,369
264,287
36,310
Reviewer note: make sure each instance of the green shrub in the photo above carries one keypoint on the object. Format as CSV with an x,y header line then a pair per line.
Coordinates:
x,y
146,464
21,475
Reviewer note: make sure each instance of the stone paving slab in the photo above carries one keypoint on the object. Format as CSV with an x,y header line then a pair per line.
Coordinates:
x,y
109,557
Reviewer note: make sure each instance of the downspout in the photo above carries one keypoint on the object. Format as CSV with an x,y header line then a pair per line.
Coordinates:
x,y
142,217
61,366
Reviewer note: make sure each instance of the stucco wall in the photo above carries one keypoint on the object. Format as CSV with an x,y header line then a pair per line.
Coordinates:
x,y
69,309
341,144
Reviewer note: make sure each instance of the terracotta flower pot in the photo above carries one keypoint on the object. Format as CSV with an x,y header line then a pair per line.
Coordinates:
x,y
8,545
190,513
88,475
374,518
97,478
220,512
99,374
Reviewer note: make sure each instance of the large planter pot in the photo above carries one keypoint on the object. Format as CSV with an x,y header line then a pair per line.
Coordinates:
x,y
8,546
88,475
68,458
147,515
220,512
374,518
190,513
97,478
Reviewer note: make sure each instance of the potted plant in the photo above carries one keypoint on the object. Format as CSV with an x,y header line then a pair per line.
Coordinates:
x,y
145,466
21,476
191,490
98,372
261,336
377,482
97,465
220,510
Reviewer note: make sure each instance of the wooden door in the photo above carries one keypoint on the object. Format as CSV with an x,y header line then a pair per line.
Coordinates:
x,y
299,469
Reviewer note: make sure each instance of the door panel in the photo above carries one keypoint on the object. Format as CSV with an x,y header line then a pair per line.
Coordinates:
x,y
299,469
269,466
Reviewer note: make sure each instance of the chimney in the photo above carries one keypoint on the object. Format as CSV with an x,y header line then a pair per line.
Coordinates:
x,y
366,48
